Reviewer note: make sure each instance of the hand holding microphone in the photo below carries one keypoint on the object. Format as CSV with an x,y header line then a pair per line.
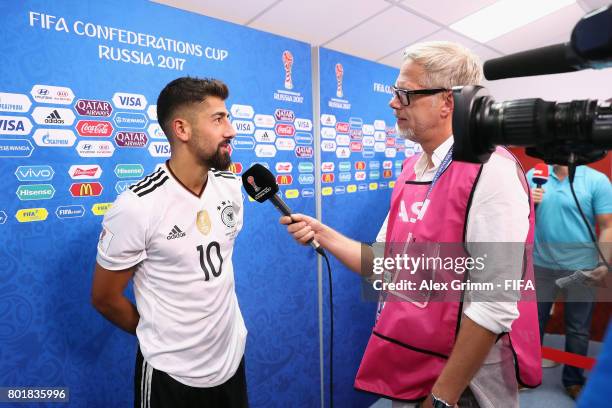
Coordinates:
x,y
260,185
539,178
303,228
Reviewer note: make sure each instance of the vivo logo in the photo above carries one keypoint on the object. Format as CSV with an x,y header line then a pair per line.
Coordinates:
x,y
34,173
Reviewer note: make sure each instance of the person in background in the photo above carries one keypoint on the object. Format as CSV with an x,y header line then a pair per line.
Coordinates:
x,y
173,234
563,245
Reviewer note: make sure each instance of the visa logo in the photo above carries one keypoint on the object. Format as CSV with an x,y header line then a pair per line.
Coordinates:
x,y
162,149
11,124
130,101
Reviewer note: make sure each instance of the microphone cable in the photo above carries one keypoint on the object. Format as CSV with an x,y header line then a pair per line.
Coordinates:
x,y
572,172
331,331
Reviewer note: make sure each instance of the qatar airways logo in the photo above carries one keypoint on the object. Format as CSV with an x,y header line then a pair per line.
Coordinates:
x,y
91,107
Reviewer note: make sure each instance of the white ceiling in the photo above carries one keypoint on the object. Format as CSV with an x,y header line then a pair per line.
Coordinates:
x,y
379,30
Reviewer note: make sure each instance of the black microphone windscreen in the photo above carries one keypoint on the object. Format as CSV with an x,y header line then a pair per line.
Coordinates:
x,y
259,183
553,59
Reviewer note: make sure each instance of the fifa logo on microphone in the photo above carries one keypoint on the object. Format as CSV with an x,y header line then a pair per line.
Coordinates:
x,y
339,75
251,181
288,64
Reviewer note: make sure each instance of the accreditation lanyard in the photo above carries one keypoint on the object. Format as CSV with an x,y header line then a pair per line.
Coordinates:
x,y
443,166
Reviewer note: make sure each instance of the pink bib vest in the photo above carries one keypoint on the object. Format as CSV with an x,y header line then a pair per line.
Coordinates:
x,y
410,343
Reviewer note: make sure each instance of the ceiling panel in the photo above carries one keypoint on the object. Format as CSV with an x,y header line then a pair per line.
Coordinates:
x,y
554,28
395,59
446,11
317,21
240,11
383,34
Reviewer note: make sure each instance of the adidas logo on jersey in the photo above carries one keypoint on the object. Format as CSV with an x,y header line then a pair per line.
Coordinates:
x,y
175,233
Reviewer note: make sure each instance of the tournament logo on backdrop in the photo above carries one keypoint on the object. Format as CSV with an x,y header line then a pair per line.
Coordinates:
x,y
338,102
287,95
339,76
288,64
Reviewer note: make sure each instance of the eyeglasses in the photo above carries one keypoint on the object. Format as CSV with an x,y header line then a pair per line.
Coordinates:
x,y
404,94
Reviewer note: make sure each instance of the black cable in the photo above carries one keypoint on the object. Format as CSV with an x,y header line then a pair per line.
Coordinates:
x,y
331,333
572,172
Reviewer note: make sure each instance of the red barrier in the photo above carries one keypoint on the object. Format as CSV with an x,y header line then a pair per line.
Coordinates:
x,y
571,359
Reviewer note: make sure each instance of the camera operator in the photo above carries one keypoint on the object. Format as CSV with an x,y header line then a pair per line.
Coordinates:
x,y
562,246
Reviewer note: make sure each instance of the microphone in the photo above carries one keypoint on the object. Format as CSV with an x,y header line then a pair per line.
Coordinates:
x,y
540,174
590,46
260,185
553,59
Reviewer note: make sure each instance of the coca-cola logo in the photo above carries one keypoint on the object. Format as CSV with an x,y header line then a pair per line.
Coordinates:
x,y
94,128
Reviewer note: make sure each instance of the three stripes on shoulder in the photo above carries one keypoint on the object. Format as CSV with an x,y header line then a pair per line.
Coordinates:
x,y
223,173
150,183
159,177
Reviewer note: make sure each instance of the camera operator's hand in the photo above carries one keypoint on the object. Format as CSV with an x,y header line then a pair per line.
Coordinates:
x,y
537,194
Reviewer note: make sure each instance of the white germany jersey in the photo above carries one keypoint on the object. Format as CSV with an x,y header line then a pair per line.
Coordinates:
x,y
190,322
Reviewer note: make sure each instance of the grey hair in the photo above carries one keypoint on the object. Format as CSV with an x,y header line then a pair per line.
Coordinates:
x,y
445,64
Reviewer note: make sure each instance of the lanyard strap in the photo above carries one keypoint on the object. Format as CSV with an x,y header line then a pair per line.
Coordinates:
x,y
443,166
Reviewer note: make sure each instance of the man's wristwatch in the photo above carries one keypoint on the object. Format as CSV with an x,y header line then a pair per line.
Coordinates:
x,y
439,403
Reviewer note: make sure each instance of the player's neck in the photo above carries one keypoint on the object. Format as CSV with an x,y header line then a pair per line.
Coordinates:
x,y
191,174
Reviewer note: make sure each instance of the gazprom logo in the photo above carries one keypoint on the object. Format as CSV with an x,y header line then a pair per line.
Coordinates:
x,y
34,173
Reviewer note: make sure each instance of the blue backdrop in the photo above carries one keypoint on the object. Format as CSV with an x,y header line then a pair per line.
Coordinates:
x,y
360,157
78,125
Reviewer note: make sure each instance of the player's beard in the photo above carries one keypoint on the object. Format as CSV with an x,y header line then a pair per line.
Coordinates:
x,y
219,160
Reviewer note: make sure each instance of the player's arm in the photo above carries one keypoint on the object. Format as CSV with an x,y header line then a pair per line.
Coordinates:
x,y
107,296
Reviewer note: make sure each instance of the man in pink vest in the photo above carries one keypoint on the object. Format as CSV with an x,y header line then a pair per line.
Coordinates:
x,y
472,351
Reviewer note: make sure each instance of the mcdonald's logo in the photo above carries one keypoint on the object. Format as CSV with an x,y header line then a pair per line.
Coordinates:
x,y
360,165
86,189
387,174
236,168
284,179
327,177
